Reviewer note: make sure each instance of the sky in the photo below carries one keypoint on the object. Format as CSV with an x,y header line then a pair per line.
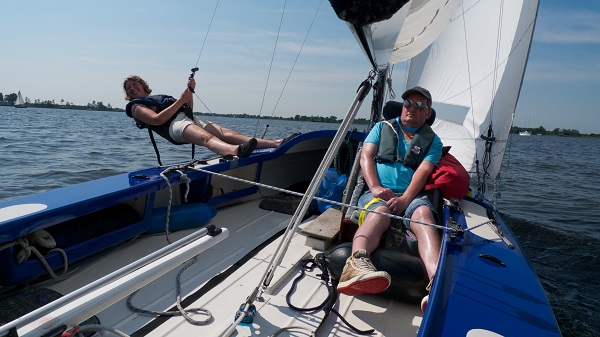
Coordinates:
x,y
80,52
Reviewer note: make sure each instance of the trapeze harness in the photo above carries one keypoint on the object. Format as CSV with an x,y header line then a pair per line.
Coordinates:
x,y
161,102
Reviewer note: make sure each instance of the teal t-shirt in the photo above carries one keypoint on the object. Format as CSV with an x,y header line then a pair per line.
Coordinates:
x,y
396,176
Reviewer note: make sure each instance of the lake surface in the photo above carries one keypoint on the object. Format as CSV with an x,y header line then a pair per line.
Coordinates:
x,y
550,192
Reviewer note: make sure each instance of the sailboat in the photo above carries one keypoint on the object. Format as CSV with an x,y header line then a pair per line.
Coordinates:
x,y
236,255
20,103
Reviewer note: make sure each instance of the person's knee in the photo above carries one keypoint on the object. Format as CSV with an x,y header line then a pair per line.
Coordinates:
x,y
382,221
423,213
195,134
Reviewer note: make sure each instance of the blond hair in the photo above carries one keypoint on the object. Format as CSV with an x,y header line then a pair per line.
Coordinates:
x,y
138,79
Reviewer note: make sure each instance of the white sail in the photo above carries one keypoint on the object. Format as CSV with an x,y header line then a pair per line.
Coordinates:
x,y
408,32
19,102
426,20
470,54
478,64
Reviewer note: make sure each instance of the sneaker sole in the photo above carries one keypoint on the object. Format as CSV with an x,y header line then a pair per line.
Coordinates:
x,y
424,303
373,285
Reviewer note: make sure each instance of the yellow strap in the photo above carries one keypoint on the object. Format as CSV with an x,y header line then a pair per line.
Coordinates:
x,y
363,213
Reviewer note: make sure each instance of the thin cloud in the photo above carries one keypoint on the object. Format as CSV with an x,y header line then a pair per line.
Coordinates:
x,y
327,48
568,27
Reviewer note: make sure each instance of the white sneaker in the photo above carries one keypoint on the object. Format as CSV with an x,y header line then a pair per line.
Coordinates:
x,y
360,276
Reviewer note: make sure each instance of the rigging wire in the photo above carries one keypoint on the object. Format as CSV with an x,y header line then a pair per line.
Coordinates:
x,y
468,63
270,67
490,138
498,40
202,49
494,88
299,194
292,68
297,56
207,31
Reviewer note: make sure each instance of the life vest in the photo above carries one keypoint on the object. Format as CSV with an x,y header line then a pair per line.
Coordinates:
x,y
417,149
161,102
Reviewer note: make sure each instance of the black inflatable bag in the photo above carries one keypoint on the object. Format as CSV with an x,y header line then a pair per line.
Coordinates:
x,y
409,278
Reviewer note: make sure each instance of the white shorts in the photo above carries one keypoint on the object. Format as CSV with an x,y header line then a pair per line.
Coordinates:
x,y
180,123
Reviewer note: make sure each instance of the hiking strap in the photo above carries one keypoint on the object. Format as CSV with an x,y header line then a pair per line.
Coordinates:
x,y
156,147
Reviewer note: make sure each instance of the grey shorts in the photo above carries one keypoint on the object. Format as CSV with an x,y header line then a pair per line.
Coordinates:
x,y
418,201
180,123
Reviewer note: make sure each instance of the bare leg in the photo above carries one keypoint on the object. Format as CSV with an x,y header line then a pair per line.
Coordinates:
x,y
429,239
232,137
197,135
370,231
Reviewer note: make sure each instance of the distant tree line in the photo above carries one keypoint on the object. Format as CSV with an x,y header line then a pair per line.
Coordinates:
x,y
298,118
556,132
10,99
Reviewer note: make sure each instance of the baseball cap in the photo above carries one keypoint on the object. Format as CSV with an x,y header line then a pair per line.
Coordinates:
x,y
418,90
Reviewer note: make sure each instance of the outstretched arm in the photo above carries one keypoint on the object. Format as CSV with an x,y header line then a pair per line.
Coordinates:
x,y
149,116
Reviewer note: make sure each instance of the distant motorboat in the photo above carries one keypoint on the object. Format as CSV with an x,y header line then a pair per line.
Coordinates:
x,y
525,133
20,103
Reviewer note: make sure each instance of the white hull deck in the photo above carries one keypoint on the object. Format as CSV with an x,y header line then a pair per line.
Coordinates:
x,y
245,233
388,317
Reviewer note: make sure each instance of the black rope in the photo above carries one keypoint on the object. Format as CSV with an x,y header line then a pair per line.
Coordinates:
x,y
487,160
309,265
332,296
344,158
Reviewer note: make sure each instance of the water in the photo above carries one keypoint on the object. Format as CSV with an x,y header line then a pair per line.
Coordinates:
x,y
549,195
551,199
43,149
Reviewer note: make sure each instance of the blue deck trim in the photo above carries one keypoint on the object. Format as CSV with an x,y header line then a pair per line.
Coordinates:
x,y
473,293
77,200
73,201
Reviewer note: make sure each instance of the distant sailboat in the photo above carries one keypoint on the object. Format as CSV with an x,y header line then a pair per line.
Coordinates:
x,y
20,103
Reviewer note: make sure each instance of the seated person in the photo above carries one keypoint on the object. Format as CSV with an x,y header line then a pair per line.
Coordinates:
x,y
173,120
395,173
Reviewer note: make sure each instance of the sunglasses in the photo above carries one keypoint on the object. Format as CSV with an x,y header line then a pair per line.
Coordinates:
x,y
419,105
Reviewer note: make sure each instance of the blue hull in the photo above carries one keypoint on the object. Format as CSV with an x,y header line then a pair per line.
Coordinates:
x,y
75,213
484,285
